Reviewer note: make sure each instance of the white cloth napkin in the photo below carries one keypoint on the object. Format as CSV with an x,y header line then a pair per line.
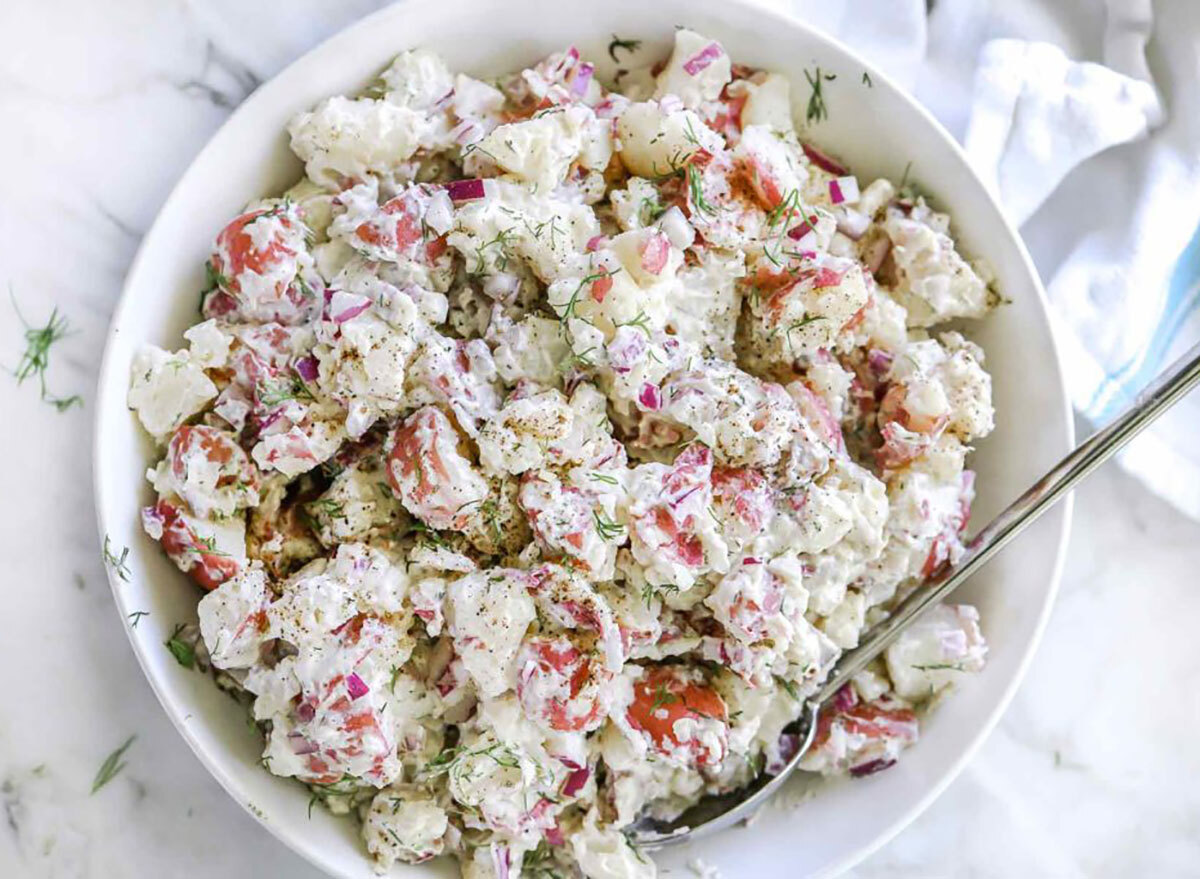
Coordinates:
x,y
1082,117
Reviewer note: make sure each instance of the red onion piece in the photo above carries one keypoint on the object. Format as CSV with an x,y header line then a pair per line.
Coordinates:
x,y
823,161
305,712
835,192
844,699
575,781
879,361
356,686
465,131
347,306
554,835
501,860
583,77
596,242
853,224
466,190
219,303
798,232
300,745
307,368
272,417
655,251
650,397
703,59
626,348
827,277
788,743
872,766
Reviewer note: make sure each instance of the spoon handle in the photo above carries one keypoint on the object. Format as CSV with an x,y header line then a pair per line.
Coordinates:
x,y
1159,396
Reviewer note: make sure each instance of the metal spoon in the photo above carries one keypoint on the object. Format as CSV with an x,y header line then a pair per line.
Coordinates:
x,y
717,812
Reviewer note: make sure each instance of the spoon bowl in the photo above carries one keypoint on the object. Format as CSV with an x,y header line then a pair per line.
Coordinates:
x,y
712,813
720,811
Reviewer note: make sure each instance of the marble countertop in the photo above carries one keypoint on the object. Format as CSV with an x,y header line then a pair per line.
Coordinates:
x,y
1091,772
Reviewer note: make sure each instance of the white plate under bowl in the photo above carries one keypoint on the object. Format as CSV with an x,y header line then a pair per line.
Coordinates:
x,y
877,130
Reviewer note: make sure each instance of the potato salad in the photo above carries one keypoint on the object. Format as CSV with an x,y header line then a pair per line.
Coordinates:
x,y
540,451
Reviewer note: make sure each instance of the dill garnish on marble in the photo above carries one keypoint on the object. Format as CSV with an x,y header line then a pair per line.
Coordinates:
x,y
36,359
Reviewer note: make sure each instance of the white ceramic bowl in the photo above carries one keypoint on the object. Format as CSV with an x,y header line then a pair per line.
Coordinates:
x,y
877,130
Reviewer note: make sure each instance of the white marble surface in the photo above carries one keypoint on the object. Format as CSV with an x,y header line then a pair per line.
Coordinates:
x,y
1091,773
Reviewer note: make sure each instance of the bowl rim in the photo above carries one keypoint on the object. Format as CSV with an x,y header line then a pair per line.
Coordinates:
x,y
262,96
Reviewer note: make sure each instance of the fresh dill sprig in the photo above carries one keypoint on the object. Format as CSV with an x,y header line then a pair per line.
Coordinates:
x,y
582,360
906,188
650,209
136,617
568,307
432,537
799,325
641,321
272,393
606,527
817,110
499,244
206,546
452,760
941,666
625,45
117,563
789,688
696,190
112,766
328,507
36,359
184,653
662,697
650,590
